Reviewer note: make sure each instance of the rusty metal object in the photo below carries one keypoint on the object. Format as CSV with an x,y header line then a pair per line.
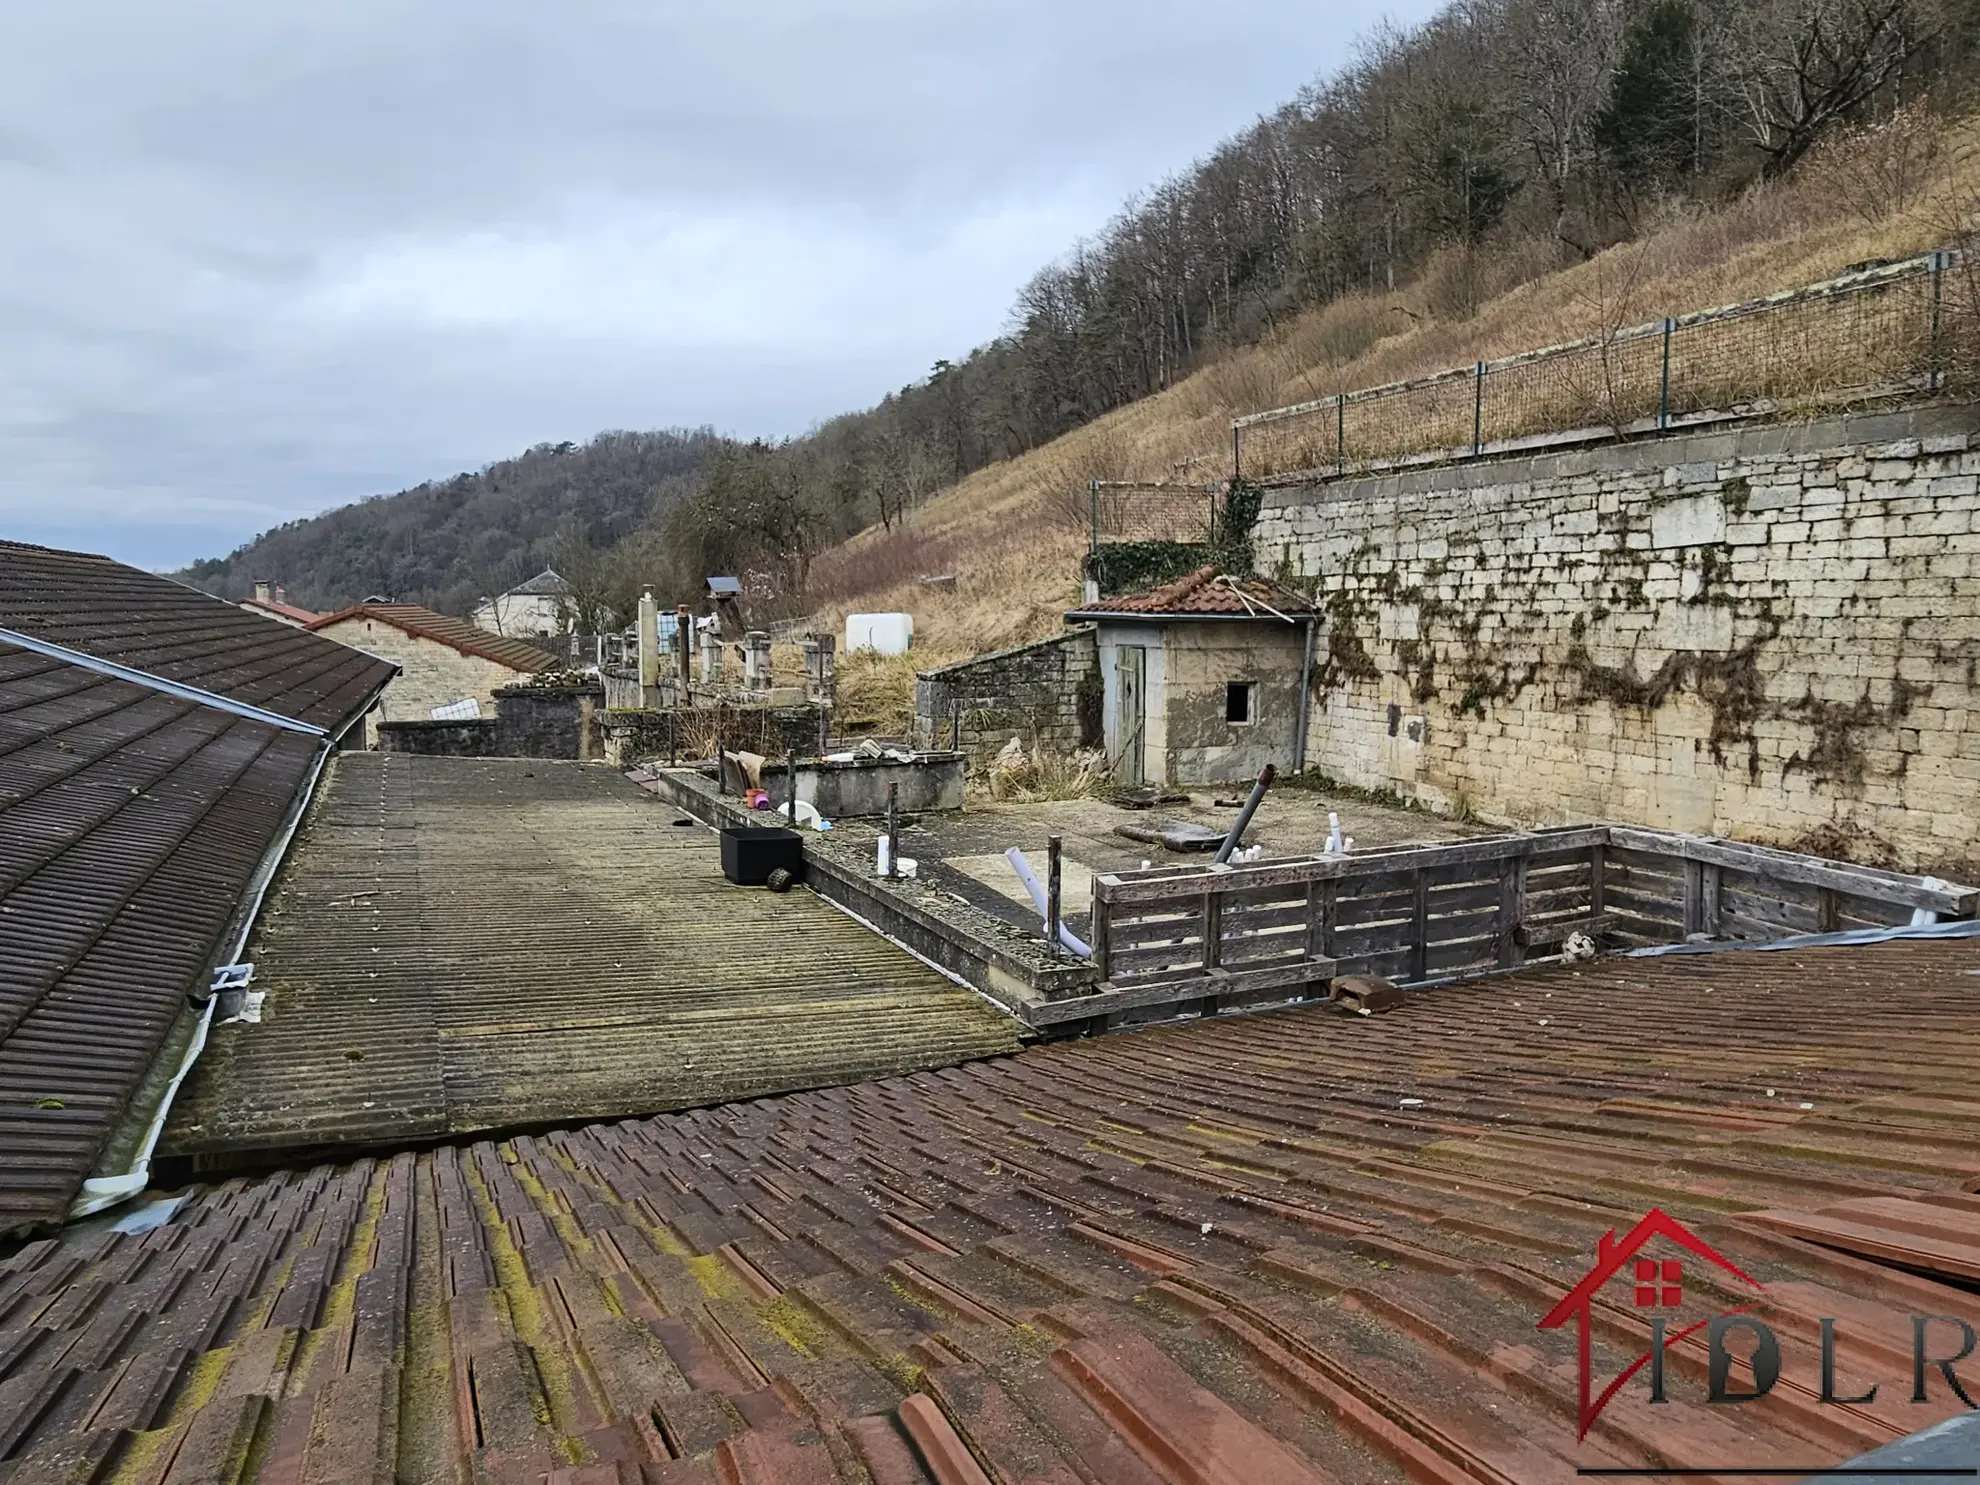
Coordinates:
x,y
1365,994
1269,1249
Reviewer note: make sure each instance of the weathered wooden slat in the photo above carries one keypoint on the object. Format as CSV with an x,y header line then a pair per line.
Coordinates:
x,y
1177,990
1122,887
1534,935
1160,956
1789,866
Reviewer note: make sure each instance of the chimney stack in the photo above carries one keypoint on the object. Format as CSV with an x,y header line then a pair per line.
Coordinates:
x,y
262,590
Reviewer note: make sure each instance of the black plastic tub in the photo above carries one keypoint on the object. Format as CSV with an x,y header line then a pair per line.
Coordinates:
x,y
751,852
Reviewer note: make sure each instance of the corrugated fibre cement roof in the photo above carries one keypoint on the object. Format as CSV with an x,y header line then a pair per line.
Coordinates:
x,y
479,944
1282,1249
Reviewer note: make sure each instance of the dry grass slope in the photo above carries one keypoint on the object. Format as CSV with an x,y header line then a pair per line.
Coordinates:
x,y
1013,533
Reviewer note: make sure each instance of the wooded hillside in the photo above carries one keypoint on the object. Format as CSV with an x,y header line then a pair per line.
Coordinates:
x,y
1501,143
448,543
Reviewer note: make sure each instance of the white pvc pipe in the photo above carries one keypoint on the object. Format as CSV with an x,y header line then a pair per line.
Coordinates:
x,y
1066,936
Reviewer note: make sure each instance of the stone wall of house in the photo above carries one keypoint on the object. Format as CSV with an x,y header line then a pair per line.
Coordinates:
x,y
1771,633
1047,694
431,674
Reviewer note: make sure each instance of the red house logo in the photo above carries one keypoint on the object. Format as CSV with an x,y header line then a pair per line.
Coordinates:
x,y
1657,1284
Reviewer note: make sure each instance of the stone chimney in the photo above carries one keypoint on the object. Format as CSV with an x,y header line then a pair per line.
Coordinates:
x,y
263,590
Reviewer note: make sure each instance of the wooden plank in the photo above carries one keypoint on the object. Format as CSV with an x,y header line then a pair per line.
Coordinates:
x,y
1420,926
1598,861
1160,956
1556,930
1694,897
1123,887
1950,898
1329,918
1708,898
1827,910
1101,927
1509,915
1213,928
1110,1001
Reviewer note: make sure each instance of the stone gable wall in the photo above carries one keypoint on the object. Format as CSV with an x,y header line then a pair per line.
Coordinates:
x,y
1046,694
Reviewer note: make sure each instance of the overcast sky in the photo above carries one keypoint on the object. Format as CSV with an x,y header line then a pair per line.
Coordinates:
x,y
259,258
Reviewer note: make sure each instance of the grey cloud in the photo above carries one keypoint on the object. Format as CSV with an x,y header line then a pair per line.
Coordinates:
x,y
261,259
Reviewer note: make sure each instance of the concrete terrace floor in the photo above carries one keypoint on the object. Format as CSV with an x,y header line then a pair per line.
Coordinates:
x,y
460,945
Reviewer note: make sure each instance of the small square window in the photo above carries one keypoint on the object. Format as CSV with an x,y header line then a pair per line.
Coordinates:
x,y
1237,703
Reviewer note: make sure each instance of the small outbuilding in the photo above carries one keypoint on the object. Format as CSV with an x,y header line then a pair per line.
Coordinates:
x,y
443,661
1205,679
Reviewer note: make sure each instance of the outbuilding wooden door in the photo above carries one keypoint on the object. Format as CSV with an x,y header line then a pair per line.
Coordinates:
x,y
1130,711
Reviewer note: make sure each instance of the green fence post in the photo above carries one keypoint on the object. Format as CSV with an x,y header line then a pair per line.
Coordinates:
x,y
1934,375
1478,408
1664,380
1340,434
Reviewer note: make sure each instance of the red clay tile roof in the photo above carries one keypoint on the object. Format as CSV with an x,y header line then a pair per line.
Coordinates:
x,y
1279,1249
286,610
151,623
130,824
1208,591
518,655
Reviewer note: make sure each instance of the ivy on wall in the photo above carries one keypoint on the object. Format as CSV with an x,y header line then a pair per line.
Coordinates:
x,y
1130,566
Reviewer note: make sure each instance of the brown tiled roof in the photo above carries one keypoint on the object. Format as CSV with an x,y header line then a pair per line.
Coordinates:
x,y
517,654
287,611
150,623
1281,1249
1206,592
506,942
130,823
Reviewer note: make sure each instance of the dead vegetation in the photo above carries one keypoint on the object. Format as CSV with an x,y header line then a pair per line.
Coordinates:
x,y
1004,531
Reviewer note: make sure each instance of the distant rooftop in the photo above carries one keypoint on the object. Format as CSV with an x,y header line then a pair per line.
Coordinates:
x,y
546,584
292,612
517,654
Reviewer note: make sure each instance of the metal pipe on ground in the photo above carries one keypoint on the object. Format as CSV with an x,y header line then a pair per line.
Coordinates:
x,y
1265,777
1030,879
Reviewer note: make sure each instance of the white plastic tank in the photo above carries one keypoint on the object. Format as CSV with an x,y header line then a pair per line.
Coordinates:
x,y
889,634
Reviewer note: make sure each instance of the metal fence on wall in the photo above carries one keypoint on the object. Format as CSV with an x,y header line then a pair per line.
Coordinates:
x,y
1870,334
1152,510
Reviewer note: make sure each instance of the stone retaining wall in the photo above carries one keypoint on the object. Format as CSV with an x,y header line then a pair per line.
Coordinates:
x,y
1771,633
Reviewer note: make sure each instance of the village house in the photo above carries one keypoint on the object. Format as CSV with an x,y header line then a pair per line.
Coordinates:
x,y
1203,679
537,609
272,602
443,662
